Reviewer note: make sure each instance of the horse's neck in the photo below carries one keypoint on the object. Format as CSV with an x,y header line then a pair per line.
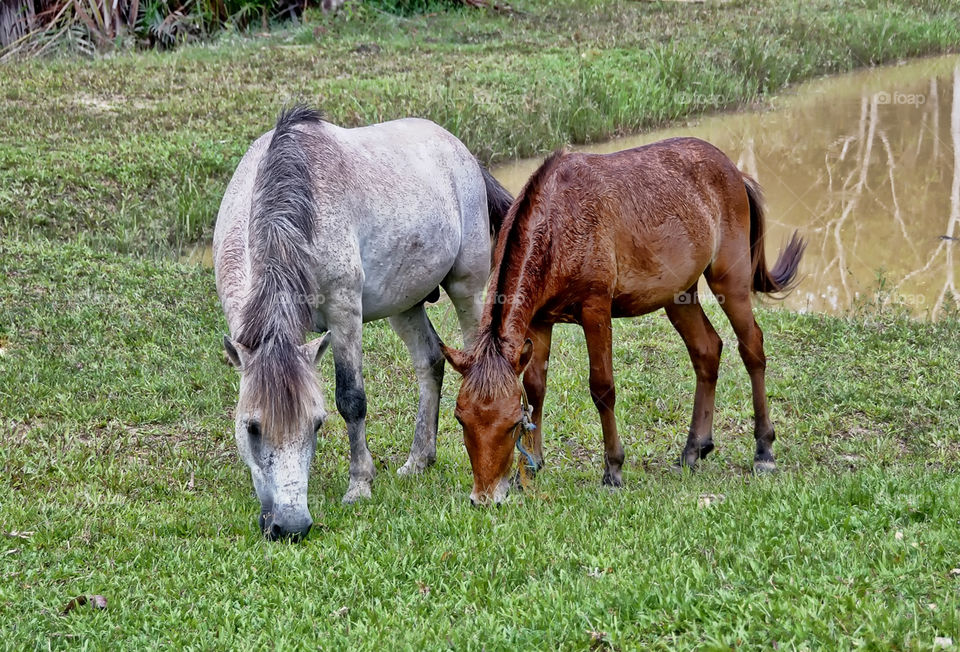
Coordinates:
x,y
276,306
524,289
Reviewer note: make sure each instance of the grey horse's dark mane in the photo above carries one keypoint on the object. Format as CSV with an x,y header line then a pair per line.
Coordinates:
x,y
279,309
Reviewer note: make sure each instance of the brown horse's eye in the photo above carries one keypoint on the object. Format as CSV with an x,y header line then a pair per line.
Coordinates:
x,y
459,420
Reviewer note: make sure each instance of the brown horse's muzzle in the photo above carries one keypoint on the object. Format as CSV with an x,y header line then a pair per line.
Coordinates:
x,y
491,472
495,495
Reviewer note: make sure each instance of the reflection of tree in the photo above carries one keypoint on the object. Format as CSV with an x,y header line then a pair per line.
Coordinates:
x,y
953,225
935,116
858,191
748,158
891,165
953,221
850,192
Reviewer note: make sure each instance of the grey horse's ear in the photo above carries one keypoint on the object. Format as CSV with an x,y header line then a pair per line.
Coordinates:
x,y
314,349
237,353
526,354
456,358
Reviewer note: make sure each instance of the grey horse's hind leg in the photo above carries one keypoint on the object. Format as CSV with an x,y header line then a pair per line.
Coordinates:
x,y
415,330
346,333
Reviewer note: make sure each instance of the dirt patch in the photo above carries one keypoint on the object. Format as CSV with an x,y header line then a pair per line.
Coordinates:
x,y
110,104
150,442
579,455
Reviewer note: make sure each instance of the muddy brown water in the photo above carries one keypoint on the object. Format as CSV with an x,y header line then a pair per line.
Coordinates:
x,y
865,165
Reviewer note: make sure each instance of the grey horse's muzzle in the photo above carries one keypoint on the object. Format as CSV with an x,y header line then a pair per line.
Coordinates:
x,y
285,524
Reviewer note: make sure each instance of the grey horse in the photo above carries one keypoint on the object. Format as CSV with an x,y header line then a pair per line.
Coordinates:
x,y
322,229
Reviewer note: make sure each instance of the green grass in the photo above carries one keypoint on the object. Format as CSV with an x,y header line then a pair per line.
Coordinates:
x,y
117,464
132,152
118,457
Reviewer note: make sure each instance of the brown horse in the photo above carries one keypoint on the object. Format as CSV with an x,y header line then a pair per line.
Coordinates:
x,y
592,237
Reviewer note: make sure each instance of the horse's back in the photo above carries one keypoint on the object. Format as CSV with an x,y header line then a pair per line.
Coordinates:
x,y
658,214
412,160
397,204
416,202
675,168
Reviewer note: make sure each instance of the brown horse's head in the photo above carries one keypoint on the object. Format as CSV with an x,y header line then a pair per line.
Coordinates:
x,y
490,409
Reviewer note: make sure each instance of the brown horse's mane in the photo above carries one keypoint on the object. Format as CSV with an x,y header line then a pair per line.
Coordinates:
x,y
492,354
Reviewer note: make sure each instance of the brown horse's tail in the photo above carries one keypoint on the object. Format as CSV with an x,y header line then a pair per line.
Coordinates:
x,y
783,277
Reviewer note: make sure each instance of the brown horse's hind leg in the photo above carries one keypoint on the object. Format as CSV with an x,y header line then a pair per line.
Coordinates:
x,y
535,383
704,347
735,300
595,320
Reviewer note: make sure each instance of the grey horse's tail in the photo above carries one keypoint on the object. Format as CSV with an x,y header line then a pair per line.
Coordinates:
x,y
499,201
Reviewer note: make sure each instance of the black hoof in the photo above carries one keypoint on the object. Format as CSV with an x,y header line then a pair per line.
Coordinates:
x,y
612,481
691,455
706,449
681,466
764,467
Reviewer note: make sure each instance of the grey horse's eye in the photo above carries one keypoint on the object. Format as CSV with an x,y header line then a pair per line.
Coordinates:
x,y
253,428
317,424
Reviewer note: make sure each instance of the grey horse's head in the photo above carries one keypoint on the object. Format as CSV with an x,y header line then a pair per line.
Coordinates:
x,y
278,414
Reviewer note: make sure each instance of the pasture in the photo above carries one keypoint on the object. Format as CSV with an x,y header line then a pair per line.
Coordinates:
x,y
119,475
120,464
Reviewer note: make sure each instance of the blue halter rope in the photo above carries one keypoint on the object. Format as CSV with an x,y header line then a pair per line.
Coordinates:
x,y
526,423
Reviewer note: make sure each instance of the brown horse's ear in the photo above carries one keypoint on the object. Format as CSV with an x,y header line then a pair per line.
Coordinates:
x,y
237,353
526,354
456,358
313,350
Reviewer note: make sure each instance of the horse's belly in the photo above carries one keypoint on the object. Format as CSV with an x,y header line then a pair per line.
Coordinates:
x,y
649,278
379,304
398,281
647,299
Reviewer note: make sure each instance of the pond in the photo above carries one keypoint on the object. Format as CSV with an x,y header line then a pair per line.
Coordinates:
x,y
865,165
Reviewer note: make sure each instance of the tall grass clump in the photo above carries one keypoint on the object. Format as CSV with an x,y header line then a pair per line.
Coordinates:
x,y
90,26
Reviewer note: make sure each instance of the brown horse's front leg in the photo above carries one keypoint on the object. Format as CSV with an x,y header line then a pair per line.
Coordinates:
x,y
597,330
535,383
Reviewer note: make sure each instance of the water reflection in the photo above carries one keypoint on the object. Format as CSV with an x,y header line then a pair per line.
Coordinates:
x,y
866,165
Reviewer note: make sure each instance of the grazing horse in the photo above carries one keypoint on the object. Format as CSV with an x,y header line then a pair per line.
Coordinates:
x,y
322,229
592,237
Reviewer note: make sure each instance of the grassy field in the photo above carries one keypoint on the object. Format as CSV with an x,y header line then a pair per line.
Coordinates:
x,y
119,476
118,460
132,151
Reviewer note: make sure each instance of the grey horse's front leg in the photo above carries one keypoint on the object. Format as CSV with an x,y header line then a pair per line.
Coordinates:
x,y
415,330
346,333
